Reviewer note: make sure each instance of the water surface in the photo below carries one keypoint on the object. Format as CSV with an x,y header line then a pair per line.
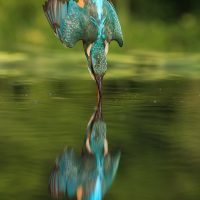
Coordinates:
x,y
151,105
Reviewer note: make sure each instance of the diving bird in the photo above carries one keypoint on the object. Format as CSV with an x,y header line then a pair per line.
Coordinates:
x,y
94,22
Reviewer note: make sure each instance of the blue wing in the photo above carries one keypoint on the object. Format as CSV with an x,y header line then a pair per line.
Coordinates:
x,y
65,19
111,164
112,26
65,176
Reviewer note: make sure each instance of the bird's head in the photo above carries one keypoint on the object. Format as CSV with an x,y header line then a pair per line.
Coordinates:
x,y
97,51
96,55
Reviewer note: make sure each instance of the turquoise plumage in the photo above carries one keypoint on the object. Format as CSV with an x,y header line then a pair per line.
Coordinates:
x,y
95,22
72,171
96,26
89,175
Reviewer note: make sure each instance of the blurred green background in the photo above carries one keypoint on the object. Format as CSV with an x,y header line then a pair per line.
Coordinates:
x,y
166,25
151,101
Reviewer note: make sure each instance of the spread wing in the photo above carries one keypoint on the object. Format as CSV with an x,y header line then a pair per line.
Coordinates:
x,y
112,26
65,18
111,164
65,176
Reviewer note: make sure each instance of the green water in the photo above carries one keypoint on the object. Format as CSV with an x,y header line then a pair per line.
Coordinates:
x,y
151,105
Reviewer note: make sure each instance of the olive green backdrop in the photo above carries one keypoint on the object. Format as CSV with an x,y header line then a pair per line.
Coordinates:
x,y
167,25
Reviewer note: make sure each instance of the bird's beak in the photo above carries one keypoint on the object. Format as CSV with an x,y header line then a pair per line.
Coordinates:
x,y
99,80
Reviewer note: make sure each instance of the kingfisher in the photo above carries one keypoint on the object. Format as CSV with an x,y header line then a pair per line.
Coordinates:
x,y
94,22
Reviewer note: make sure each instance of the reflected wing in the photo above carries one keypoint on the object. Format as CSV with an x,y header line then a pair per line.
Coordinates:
x,y
65,175
65,19
113,27
111,164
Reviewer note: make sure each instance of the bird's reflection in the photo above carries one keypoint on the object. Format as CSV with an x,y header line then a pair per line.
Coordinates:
x,y
89,175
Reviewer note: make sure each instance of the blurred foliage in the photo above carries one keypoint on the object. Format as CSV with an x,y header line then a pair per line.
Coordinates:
x,y
167,25
166,10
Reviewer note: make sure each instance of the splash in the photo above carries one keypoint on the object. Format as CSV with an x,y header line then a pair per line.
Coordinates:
x,y
99,5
